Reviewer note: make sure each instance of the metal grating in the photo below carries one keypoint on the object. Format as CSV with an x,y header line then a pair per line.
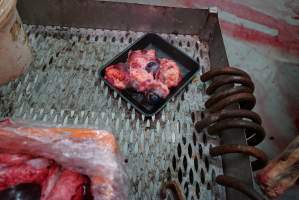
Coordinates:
x,y
61,87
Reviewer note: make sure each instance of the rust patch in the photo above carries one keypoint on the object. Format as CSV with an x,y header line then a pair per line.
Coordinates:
x,y
15,30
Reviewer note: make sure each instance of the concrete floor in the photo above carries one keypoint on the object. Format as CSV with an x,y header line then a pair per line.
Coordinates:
x,y
262,37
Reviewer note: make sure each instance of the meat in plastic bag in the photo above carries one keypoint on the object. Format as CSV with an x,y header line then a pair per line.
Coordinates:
x,y
90,152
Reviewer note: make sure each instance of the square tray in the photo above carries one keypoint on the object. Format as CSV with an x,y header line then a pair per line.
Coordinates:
x,y
187,65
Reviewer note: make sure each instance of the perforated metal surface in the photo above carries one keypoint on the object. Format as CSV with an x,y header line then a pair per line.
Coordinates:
x,y
62,87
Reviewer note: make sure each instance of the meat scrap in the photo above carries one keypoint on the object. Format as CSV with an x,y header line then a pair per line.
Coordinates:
x,y
157,88
58,159
140,79
282,172
169,73
32,171
49,183
69,186
7,159
56,182
145,73
118,75
140,58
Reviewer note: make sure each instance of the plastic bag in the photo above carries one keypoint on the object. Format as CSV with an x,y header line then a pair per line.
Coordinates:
x,y
90,152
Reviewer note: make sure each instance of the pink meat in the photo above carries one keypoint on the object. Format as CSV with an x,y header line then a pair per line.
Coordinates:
x,y
118,75
158,88
69,186
140,58
32,171
169,73
140,78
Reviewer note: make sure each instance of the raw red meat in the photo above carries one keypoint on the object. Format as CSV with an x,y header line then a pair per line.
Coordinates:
x,y
56,184
99,160
32,171
49,183
7,159
69,186
169,73
118,75
282,172
140,58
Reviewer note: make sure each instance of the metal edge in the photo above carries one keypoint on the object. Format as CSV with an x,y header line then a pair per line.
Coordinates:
x,y
112,16
235,165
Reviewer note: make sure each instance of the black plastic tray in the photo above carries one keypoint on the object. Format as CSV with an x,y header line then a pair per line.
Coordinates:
x,y
164,49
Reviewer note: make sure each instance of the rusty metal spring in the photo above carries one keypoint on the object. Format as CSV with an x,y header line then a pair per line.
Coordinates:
x,y
217,119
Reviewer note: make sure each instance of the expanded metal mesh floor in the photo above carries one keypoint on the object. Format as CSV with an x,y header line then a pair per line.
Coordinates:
x,y
62,87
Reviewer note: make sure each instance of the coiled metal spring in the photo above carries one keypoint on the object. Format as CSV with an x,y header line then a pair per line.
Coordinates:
x,y
221,116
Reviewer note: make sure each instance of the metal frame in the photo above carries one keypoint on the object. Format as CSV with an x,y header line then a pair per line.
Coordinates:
x,y
136,17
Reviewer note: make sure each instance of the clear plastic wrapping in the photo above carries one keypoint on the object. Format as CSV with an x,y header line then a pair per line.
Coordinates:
x,y
91,152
